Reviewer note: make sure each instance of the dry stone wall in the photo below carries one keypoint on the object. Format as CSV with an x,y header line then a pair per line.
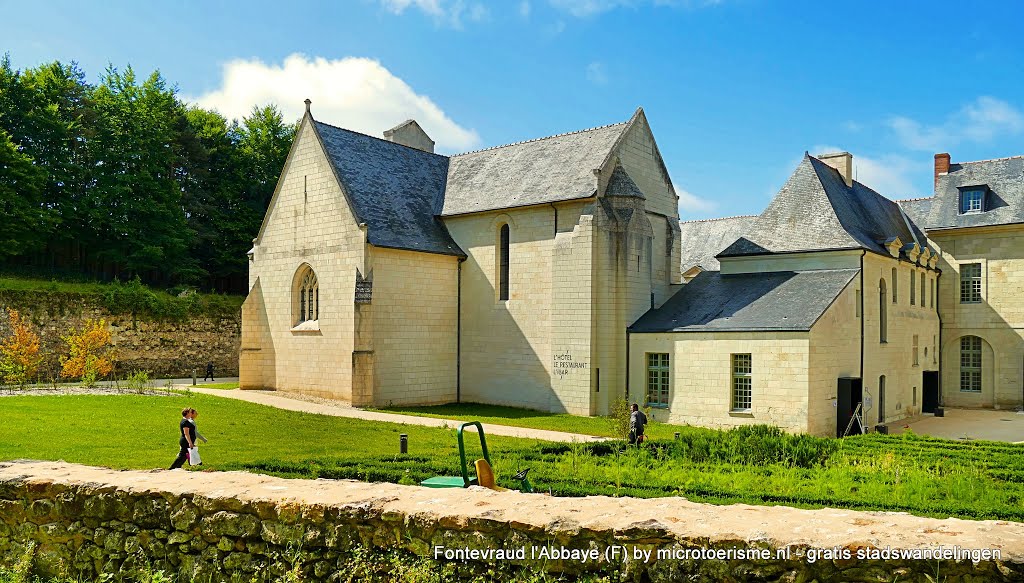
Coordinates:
x,y
166,348
232,525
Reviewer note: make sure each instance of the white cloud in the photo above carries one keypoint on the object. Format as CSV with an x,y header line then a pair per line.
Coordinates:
x,y
524,9
890,175
597,74
691,203
353,93
983,120
445,12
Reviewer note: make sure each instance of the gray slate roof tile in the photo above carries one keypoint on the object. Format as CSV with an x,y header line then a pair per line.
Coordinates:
x,y
701,241
550,169
777,301
396,190
1005,200
816,210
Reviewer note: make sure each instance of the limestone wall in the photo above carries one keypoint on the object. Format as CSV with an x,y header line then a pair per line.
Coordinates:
x,y
700,365
165,348
998,319
238,526
310,223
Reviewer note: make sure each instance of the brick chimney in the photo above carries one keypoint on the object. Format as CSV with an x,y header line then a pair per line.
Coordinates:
x,y
841,161
941,166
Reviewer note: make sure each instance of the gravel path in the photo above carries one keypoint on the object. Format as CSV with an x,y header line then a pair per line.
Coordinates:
x,y
307,404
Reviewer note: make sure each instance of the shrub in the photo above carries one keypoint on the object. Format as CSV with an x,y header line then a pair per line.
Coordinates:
x,y
90,354
19,352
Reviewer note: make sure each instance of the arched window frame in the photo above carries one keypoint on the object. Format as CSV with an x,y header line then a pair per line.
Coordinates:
x,y
883,312
504,259
307,296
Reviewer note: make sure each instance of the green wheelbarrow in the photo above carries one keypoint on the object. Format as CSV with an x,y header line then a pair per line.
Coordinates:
x,y
484,473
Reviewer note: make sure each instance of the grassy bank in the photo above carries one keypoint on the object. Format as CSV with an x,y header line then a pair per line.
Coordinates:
x,y
118,298
757,465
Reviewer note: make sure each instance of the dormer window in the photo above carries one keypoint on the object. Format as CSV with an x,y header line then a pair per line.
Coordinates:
x,y
972,200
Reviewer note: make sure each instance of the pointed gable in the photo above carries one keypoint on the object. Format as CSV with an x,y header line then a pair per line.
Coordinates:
x,y
817,211
396,190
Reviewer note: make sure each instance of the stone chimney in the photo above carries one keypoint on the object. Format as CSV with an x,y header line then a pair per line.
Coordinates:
x,y
841,161
409,133
941,166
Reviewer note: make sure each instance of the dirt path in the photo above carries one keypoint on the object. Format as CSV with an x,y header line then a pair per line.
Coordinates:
x,y
327,407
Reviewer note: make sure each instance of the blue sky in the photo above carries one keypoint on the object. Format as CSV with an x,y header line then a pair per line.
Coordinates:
x,y
736,90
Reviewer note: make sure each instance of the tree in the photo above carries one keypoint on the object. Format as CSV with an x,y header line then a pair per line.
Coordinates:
x,y
138,209
263,145
26,220
19,352
90,354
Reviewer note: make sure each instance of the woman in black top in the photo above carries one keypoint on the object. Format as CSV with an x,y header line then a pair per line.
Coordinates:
x,y
187,439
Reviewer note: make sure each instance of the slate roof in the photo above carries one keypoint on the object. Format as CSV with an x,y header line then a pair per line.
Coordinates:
x,y
539,171
1004,201
396,190
778,301
817,211
621,184
701,241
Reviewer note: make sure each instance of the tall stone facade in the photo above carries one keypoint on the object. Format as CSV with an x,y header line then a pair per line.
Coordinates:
x,y
407,251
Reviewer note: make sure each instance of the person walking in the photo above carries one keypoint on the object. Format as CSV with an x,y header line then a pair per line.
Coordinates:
x,y
187,436
637,421
209,371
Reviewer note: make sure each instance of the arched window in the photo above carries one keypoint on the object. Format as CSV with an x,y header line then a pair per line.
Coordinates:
x,y
308,292
970,364
503,261
895,285
883,312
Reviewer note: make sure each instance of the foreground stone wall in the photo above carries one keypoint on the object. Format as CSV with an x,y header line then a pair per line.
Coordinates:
x,y
165,348
221,525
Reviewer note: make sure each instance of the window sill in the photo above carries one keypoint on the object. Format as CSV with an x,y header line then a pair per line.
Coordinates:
x,y
741,413
656,406
311,327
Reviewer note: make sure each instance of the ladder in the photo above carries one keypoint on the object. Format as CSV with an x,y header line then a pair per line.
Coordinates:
x,y
857,416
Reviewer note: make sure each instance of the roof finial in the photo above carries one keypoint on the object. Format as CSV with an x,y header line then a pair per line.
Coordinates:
x,y
308,103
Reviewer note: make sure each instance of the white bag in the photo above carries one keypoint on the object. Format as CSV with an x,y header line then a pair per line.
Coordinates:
x,y
193,457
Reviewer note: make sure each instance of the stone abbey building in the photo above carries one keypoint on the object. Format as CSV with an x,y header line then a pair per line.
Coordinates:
x,y
554,274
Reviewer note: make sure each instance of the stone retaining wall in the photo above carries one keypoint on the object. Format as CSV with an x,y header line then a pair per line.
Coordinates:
x,y
165,348
221,525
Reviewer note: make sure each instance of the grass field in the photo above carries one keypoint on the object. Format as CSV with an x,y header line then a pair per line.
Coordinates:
x,y
222,386
757,465
514,416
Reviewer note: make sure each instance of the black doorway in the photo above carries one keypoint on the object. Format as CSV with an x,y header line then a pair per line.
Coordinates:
x,y
930,392
850,394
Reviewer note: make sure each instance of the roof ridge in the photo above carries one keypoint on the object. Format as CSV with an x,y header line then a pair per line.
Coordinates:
x,y
720,219
378,139
539,139
990,160
898,200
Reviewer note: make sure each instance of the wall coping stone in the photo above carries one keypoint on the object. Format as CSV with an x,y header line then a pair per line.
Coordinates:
x,y
656,522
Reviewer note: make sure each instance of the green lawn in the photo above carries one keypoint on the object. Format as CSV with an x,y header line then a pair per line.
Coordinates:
x,y
223,386
132,431
516,417
755,465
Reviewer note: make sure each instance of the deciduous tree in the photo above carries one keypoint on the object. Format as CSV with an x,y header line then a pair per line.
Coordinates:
x,y
19,353
90,354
